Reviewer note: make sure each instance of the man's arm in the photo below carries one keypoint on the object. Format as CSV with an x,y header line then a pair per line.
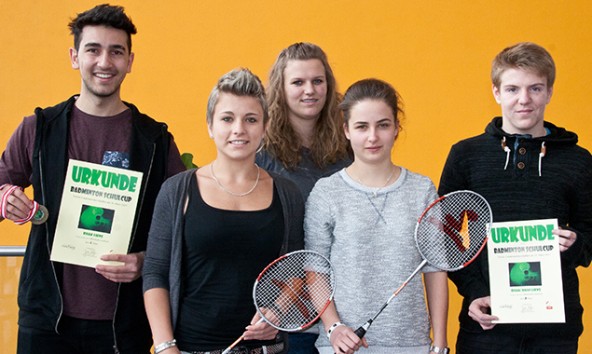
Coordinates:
x,y
16,170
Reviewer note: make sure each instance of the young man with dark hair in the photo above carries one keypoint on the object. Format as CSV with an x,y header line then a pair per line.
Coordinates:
x,y
528,169
65,308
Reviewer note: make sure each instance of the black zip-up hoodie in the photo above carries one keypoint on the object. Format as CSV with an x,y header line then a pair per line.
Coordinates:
x,y
525,178
39,298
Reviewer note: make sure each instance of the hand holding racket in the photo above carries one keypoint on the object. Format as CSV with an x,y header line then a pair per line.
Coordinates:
x,y
292,292
449,235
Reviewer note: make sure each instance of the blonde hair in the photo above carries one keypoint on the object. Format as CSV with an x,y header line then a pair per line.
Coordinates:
x,y
239,82
526,56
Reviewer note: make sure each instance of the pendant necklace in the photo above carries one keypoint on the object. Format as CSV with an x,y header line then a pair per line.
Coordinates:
x,y
230,192
388,179
379,211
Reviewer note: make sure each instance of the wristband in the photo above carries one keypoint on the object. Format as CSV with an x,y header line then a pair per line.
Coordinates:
x,y
332,328
165,345
438,350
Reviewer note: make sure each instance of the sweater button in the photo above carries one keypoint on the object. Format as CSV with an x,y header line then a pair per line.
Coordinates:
x,y
521,165
522,151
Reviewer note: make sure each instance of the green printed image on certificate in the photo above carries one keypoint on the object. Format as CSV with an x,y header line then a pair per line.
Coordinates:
x,y
525,274
96,218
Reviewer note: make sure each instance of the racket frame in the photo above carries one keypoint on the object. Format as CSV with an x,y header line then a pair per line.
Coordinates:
x,y
361,331
304,326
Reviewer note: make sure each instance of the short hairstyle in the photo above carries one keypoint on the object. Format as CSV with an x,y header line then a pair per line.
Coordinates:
x,y
526,56
239,82
372,89
281,140
102,15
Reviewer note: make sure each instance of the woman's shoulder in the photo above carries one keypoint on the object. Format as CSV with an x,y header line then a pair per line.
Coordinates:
x,y
329,187
416,178
183,175
178,180
331,180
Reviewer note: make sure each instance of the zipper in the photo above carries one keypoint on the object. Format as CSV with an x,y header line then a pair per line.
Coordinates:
x,y
55,277
139,208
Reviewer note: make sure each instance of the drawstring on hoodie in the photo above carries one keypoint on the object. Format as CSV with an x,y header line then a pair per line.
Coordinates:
x,y
508,150
541,155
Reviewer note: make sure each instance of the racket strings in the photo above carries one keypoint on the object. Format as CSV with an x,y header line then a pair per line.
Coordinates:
x,y
453,230
294,291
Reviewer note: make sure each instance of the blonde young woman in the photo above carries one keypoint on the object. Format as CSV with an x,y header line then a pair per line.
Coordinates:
x,y
214,229
363,219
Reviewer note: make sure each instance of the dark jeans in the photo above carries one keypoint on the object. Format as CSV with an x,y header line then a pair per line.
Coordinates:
x,y
76,337
493,343
302,343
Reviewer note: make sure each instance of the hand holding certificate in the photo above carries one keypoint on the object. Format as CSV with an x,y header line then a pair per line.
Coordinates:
x,y
96,216
128,272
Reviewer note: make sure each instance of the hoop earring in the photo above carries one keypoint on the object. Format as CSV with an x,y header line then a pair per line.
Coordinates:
x,y
260,147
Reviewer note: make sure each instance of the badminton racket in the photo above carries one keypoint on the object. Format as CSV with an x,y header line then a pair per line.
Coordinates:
x,y
293,291
449,235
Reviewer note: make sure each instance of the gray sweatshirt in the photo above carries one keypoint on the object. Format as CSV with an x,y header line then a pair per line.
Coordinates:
x,y
370,241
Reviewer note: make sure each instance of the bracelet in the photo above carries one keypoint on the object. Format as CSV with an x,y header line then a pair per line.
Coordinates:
x,y
332,328
165,345
438,350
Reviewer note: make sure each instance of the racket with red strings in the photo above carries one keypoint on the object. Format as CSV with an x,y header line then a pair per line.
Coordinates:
x,y
449,235
293,291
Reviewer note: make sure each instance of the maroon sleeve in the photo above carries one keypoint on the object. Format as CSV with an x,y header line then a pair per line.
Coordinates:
x,y
16,160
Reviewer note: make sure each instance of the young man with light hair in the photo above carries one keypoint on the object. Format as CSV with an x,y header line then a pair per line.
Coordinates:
x,y
527,168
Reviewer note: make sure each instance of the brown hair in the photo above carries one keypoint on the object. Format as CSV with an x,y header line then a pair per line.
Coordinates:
x,y
329,143
526,56
372,89
102,15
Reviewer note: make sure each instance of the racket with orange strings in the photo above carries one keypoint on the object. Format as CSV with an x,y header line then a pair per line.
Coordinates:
x,y
293,291
449,235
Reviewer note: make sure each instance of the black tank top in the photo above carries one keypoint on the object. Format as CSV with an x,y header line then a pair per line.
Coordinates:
x,y
224,252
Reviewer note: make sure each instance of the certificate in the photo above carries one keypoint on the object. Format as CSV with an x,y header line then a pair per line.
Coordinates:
x,y
525,272
96,214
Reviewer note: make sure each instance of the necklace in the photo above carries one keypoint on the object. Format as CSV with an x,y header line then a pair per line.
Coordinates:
x,y
232,193
388,179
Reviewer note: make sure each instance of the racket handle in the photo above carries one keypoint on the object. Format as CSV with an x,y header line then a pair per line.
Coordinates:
x,y
227,350
232,345
361,331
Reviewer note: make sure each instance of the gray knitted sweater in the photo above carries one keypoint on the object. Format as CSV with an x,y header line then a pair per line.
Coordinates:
x,y
370,241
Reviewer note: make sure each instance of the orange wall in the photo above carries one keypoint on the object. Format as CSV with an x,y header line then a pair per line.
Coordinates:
x,y
437,53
